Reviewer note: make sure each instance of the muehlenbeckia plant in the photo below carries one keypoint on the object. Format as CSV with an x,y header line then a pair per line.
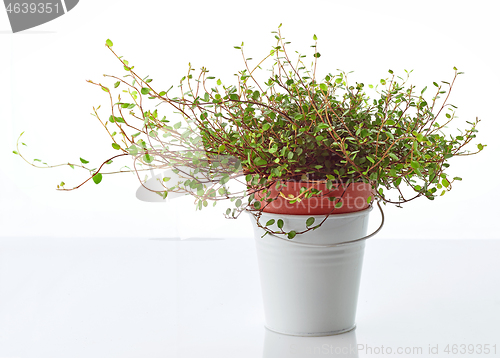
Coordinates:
x,y
290,126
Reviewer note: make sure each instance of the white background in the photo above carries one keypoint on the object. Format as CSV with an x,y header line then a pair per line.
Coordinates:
x,y
44,93
79,275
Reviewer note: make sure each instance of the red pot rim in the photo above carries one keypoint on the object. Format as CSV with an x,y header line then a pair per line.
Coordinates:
x,y
355,198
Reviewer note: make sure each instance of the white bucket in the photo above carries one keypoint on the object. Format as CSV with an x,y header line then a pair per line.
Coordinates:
x,y
308,287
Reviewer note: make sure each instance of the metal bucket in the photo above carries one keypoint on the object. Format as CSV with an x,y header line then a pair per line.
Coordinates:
x,y
310,284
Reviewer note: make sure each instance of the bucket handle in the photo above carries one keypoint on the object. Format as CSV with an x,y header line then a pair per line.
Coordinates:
x,y
339,243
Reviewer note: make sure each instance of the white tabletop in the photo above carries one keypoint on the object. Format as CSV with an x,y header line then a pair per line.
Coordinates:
x,y
62,298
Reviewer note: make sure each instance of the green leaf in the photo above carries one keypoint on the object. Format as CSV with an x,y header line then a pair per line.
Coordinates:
x,y
84,161
369,199
280,223
323,87
109,43
145,90
15,152
225,178
117,83
222,148
133,150
115,146
292,234
270,222
317,55
315,37
480,146
446,183
310,221
148,158
415,165
177,125
97,178
260,162
393,156
338,205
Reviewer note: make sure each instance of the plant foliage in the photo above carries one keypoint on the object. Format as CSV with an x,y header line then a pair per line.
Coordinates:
x,y
289,126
